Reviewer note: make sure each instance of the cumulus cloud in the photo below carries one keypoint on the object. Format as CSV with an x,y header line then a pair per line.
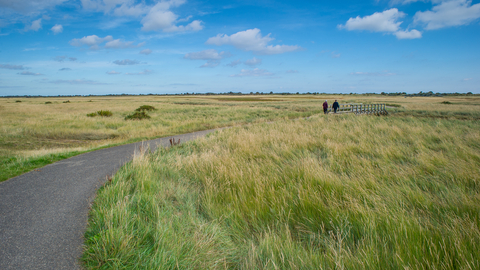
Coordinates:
x,y
251,40
378,22
30,73
252,73
113,72
17,67
211,54
412,34
144,72
234,63
449,13
92,41
386,21
57,29
118,44
159,17
253,62
126,62
36,25
146,51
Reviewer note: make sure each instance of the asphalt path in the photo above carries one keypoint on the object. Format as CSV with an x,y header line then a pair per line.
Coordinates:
x,y
44,213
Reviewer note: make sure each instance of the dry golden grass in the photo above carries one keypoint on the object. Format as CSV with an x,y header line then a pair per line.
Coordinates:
x,y
329,192
30,127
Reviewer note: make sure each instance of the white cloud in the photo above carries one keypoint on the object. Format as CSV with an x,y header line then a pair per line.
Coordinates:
x,y
126,62
252,73
210,64
467,79
159,17
113,72
234,63
36,25
412,34
92,41
449,13
118,44
146,51
57,29
251,40
30,73
211,54
253,62
17,67
386,21
378,22
291,71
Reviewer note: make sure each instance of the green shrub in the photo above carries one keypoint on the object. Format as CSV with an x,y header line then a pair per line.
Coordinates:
x,y
68,101
48,102
100,113
137,116
145,108
18,101
446,102
105,113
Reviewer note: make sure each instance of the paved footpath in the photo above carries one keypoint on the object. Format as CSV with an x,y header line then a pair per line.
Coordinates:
x,y
43,213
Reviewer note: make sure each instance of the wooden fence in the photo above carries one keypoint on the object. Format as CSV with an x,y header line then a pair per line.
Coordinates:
x,y
375,109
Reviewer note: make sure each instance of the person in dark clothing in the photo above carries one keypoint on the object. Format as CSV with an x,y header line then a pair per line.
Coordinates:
x,y
335,106
325,107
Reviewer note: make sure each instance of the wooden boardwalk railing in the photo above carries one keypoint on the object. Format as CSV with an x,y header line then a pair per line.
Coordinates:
x,y
375,109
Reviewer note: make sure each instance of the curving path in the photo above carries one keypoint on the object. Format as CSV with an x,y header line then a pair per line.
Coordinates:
x,y
43,213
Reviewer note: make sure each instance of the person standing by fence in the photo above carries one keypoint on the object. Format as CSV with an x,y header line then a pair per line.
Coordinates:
x,y
335,106
325,107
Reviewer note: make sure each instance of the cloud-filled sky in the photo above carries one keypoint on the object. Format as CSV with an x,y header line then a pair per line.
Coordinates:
x,y
82,47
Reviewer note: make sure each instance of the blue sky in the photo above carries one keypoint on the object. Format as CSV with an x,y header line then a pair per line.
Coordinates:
x,y
82,47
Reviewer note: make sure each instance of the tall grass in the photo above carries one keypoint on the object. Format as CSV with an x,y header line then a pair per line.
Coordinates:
x,y
339,192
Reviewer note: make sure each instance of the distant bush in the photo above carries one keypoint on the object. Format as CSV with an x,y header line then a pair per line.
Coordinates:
x,y
145,108
105,113
18,101
68,101
393,105
48,102
446,102
100,113
137,116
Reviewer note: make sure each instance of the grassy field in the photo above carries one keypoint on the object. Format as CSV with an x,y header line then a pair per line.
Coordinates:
x,y
328,192
38,131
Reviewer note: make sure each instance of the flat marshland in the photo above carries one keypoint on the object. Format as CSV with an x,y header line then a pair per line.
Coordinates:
x,y
329,192
37,131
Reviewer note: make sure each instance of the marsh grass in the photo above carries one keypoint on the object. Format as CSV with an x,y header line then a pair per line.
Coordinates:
x,y
31,126
341,192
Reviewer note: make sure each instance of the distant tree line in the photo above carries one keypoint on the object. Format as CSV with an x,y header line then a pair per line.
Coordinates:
x,y
419,94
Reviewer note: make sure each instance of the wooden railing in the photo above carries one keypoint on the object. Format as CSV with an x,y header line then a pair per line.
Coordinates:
x,y
376,109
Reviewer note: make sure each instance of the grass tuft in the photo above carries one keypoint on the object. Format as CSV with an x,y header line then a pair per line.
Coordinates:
x,y
145,108
137,116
